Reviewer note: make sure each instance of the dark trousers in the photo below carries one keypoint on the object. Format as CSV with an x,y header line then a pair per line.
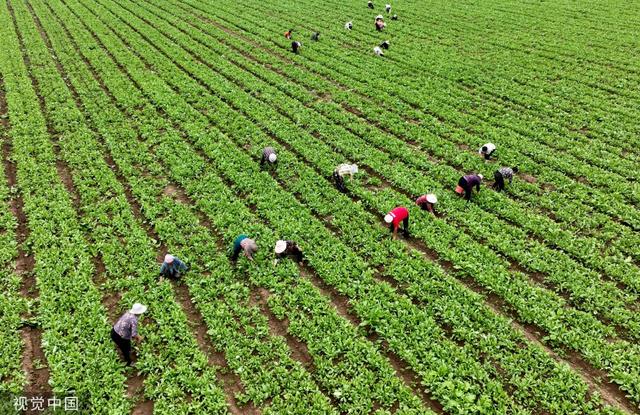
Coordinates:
x,y
123,344
499,181
467,189
405,225
236,252
172,274
339,181
293,252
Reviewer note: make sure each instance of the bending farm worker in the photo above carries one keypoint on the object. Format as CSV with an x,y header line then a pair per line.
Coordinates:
x,y
348,25
315,36
341,171
394,17
125,329
287,249
385,44
246,245
380,23
501,174
288,33
466,184
487,150
370,4
388,8
378,51
268,155
172,267
295,46
393,218
427,202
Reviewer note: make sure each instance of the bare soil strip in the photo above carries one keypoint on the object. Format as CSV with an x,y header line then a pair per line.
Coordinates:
x,y
34,362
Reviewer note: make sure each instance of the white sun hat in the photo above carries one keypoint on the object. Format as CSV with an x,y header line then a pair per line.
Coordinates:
x,y
168,258
431,198
280,246
379,17
388,218
273,157
354,168
481,177
138,309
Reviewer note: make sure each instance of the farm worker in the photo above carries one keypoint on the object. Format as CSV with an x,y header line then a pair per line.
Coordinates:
x,y
394,17
388,8
487,150
287,249
378,51
288,33
172,267
246,245
348,25
370,4
315,36
397,215
501,174
380,23
341,171
125,329
268,155
466,184
385,44
427,202
295,46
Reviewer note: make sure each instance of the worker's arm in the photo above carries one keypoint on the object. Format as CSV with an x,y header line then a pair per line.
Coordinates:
x,y
181,265
163,268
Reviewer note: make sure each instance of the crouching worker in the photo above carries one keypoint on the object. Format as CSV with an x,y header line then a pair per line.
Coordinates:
x,y
427,202
315,36
246,245
125,329
341,171
502,174
385,44
393,218
288,33
380,23
487,150
172,267
268,155
466,184
285,249
295,46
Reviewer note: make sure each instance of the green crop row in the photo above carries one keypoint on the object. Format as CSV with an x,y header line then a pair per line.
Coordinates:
x,y
12,304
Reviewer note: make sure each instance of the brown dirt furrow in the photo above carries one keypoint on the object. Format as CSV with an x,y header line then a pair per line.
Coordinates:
x,y
231,382
34,362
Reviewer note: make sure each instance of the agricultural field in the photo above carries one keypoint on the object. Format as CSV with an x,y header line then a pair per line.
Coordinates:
x,y
132,129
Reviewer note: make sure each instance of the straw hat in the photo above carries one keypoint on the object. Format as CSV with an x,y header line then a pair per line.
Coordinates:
x,y
280,246
379,17
138,309
388,218
431,198
273,157
168,258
